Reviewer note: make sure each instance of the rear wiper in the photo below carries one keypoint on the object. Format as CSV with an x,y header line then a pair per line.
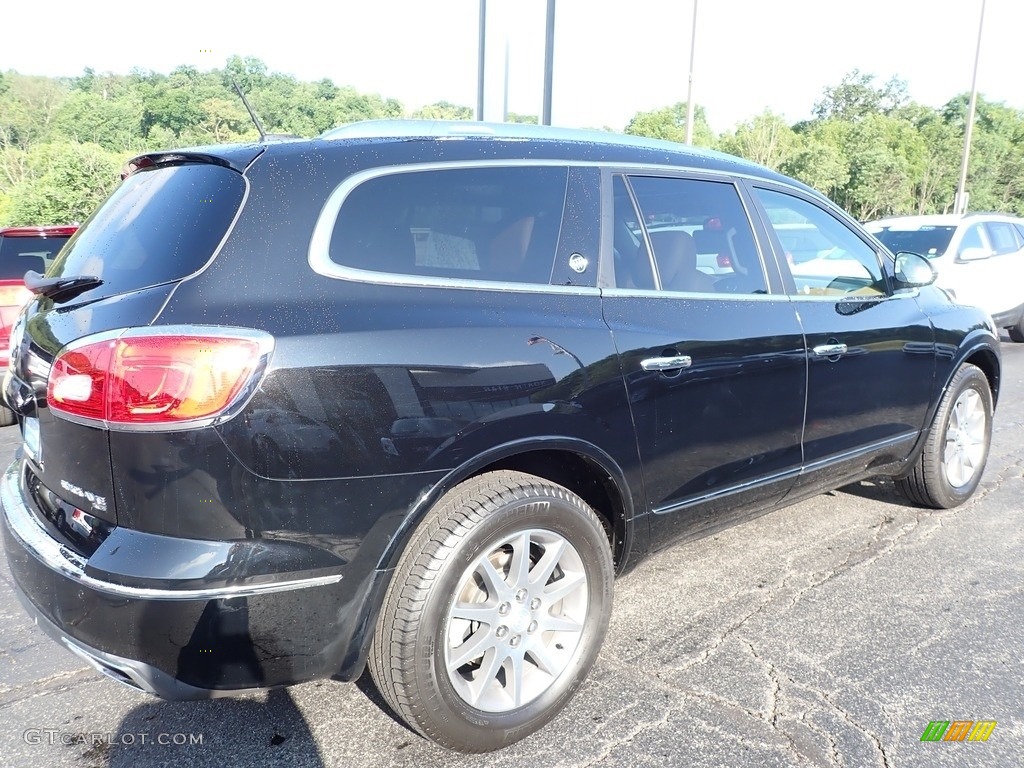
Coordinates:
x,y
60,288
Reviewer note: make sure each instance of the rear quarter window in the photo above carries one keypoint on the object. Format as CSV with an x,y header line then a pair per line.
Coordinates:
x,y
159,226
492,223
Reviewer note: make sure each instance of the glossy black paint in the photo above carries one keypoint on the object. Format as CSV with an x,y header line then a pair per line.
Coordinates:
x,y
731,422
72,454
244,642
380,398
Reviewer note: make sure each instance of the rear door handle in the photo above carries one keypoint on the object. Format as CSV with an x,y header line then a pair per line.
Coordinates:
x,y
674,363
830,350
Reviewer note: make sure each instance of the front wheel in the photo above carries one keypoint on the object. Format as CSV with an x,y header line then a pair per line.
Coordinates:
x,y
956,448
496,612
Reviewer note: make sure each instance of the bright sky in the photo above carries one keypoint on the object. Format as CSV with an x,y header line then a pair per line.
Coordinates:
x,y
612,57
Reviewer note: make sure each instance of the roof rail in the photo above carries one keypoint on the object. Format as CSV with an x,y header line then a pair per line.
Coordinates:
x,y
367,129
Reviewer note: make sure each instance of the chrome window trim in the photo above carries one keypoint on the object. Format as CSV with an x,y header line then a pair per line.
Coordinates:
x,y
648,293
59,558
320,261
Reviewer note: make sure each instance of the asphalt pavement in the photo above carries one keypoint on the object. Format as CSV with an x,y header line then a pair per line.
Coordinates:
x,y
828,633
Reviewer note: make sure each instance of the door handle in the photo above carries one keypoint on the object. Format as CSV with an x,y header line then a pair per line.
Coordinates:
x,y
830,350
674,363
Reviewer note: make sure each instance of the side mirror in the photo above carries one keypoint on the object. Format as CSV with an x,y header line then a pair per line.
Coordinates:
x,y
973,254
914,270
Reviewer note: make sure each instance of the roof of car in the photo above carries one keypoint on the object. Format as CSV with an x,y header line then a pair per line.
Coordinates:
x,y
470,140
936,220
470,129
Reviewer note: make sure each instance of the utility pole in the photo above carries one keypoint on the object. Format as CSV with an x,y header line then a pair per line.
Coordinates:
x,y
689,90
960,201
549,54
481,49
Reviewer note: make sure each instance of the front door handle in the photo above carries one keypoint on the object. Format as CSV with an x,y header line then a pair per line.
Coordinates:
x,y
830,350
663,364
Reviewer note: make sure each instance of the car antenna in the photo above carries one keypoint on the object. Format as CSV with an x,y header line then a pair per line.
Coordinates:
x,y
249,109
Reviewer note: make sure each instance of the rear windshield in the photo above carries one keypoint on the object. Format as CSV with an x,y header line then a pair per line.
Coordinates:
x,y
20,254
157,227
926,241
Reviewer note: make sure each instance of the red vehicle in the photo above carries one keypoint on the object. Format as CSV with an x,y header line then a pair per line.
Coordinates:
x,y
22,249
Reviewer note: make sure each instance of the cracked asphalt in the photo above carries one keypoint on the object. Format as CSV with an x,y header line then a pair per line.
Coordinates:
x,y
828,633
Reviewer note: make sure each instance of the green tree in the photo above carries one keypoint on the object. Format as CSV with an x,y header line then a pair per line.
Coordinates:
x,y
857,96
995,174
766,139
28,107
68,180
114,124
669,123
443,110
887,157
820,160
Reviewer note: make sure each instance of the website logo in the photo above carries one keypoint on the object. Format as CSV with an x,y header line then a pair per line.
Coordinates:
x,y
958,730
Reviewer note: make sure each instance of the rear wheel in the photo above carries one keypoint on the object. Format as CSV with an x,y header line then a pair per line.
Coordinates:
x,y
1017,331
950,466
496,612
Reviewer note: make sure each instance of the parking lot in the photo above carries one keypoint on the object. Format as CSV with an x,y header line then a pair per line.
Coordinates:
x,y
829,633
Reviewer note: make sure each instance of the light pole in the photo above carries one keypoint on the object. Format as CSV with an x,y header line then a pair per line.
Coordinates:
x,y
549,55
481,50
689,90
960,201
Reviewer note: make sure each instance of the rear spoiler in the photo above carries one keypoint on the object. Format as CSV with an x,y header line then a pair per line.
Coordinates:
x,y
236,157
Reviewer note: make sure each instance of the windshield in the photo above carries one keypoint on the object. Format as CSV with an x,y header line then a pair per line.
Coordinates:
x,y
158,226
926,241
20,254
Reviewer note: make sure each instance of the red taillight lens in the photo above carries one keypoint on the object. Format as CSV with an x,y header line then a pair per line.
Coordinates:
x,y
151,379
724,262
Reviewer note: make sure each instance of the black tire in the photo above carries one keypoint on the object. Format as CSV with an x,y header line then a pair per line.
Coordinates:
x,y
7,417
1016,332
476,526
929,483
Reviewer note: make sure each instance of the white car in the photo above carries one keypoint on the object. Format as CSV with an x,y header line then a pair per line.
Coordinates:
x,y
979,257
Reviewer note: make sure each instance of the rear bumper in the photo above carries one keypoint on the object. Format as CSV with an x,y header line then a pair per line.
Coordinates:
x,y
188,637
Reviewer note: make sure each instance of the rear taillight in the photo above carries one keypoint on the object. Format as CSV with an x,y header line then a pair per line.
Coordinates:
x,y
160,378
724,262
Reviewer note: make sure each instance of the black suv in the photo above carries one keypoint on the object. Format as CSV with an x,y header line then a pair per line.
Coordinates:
x,y
409,395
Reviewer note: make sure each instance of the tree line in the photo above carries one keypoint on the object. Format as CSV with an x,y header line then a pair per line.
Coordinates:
x,y
867,146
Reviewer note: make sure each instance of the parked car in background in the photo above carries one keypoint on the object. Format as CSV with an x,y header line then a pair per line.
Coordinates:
x,y
979,258
409,395
22,249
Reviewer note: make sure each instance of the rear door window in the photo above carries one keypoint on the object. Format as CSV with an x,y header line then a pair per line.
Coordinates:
x,y
697,229
1003,237
159,226
488,223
